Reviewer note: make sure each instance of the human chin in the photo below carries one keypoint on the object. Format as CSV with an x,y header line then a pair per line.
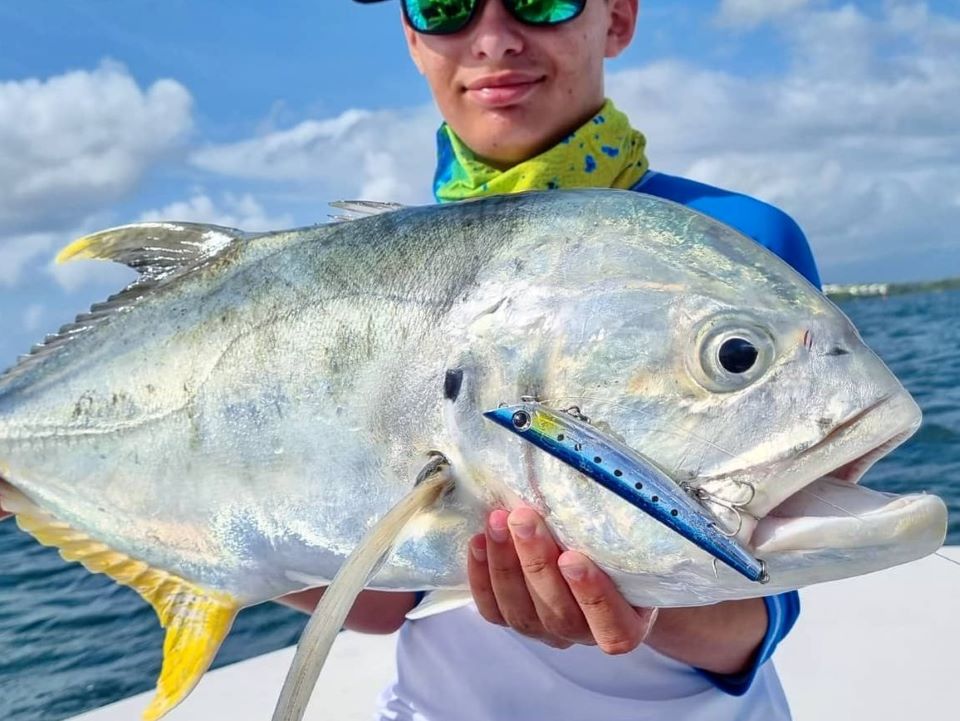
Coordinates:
x,y
506,143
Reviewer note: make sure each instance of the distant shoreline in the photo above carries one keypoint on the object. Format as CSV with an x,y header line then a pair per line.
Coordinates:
x,y
877,290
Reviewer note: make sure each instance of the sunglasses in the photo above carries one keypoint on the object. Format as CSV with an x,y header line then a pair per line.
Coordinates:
x,y
445,17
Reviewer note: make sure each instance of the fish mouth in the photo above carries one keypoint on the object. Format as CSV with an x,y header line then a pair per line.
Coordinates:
x,y
830,510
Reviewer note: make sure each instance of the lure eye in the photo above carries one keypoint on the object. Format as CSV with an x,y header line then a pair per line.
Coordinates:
x,y
737,355
521,420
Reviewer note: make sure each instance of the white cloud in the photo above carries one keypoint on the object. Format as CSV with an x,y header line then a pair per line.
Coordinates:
x,y
750,13
859,139
74,143
32,317
233,211
386,155
17,251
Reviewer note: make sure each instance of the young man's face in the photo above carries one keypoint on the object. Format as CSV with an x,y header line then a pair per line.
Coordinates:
x,y
510,90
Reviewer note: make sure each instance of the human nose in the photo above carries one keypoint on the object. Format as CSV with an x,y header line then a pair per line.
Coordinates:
x,y
495,32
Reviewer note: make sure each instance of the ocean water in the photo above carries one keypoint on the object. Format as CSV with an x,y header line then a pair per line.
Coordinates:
x,y
71,641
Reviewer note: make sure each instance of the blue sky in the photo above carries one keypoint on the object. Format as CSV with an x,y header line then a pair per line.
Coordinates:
x,y
844,114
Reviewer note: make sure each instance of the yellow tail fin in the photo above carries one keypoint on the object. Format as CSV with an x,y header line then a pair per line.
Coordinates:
x,y
196,619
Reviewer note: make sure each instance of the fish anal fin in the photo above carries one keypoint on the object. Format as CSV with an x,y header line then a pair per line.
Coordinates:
x,y
196,624
196,620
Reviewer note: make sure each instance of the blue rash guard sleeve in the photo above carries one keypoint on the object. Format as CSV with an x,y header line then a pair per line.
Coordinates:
x,y
769,226
776,231
782,613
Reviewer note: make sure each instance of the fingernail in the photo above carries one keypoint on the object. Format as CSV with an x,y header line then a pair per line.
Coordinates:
x,y
478,550
573,571
498,526
522,529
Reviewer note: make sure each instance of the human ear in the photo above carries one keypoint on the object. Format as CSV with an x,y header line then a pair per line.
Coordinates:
x,y
622,22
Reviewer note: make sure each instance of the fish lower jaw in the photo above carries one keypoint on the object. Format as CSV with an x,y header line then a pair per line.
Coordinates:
x,y
834,511
832,495
833,514
763,510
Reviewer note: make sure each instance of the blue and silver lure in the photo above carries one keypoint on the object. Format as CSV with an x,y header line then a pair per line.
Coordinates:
x,y
630,475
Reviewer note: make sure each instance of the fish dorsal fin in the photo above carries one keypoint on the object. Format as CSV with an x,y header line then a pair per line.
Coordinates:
x,y
154,249
361,209
196,619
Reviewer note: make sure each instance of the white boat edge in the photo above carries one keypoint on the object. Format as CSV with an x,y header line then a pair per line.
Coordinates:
x,y
879,647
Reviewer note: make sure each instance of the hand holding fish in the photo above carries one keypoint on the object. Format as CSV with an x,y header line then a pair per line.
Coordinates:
x,y
520,578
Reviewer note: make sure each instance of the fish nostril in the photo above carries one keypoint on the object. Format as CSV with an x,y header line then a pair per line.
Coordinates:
x,y
837,350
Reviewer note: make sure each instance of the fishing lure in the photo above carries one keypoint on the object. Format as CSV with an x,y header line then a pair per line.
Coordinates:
x,y
568,437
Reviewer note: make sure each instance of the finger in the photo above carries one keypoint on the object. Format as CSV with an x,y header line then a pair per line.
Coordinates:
x,y
537,553
617,627
506,578
479,576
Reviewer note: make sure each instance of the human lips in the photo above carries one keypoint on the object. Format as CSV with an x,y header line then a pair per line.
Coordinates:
x,y
502,89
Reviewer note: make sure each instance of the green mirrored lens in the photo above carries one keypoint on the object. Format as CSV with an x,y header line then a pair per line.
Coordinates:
x,y
438,16
546,12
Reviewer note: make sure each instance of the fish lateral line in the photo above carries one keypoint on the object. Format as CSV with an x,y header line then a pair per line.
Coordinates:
x,y
568,437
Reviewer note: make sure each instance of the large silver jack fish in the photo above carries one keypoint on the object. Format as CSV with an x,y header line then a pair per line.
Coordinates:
x,y
228,428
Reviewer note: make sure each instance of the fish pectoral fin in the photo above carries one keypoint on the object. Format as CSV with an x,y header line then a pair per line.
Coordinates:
x,y
154,249
439,602
196,619
331,612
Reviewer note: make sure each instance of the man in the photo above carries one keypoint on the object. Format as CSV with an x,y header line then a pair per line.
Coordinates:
x,y
520,86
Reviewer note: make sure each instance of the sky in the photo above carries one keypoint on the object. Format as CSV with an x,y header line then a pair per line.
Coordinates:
x,y
255,115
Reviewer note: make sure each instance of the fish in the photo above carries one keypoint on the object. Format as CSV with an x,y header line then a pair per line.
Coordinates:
x,y
229,427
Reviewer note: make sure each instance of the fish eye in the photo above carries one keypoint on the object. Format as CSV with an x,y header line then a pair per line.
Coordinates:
x,y
731,353
737,355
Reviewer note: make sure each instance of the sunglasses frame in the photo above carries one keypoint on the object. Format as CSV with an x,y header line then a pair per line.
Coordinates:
x,y
510,5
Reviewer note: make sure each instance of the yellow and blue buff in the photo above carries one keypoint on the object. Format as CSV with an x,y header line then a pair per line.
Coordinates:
x,y
605,152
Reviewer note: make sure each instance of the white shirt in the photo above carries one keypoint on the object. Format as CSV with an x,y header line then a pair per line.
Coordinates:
x,y
457,667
